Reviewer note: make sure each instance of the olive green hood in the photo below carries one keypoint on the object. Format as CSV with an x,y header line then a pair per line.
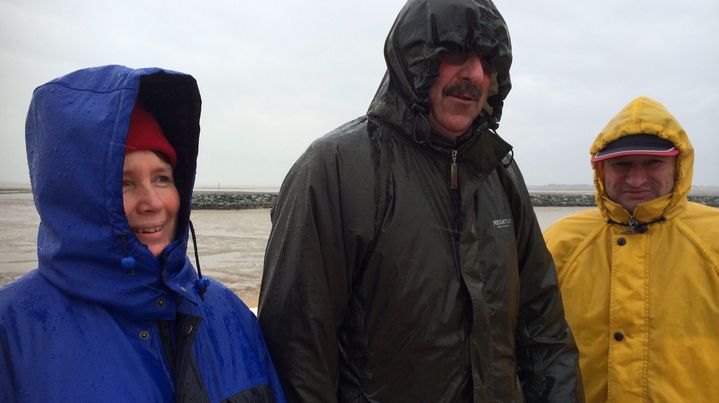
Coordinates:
x,y
425,30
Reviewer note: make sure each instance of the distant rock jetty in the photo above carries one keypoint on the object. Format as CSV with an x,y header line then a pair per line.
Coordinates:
x,y
562,199
204,200
574,199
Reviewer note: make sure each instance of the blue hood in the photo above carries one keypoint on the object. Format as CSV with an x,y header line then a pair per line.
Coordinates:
x,y
75,135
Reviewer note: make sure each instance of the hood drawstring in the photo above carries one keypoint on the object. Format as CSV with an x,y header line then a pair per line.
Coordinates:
x,y
128,262
201,283
420,115
492,123
635,226
507,160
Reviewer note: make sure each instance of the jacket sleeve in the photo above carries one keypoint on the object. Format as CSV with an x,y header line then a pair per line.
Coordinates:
x,y
267,365
547,356
313,250
7,389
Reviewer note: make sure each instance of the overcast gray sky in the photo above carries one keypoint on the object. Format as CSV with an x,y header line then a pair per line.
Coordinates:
x,y
275,75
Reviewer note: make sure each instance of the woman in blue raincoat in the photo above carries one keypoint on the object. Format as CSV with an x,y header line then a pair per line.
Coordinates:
x,y
115,311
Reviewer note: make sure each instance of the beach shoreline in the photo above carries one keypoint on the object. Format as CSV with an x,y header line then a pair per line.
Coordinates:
x,y
231,241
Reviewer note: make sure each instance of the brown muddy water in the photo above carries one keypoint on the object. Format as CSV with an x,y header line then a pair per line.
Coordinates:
x,y
231,242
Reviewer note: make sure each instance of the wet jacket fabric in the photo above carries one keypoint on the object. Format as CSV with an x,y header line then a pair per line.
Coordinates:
x,y
643,306
102,319
385,283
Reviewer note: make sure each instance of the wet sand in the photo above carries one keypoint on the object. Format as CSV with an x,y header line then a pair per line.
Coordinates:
x,y
231,242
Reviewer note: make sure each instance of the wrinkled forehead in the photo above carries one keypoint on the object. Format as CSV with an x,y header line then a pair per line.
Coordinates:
x,y
639,159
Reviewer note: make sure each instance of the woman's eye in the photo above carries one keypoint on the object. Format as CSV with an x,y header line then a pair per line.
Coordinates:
x,y
126,185
163,179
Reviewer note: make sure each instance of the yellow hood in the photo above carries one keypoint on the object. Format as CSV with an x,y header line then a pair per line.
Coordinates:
x,y
646,116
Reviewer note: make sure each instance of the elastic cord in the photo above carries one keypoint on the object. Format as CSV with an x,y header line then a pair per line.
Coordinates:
x,y
420,115
202,283
634,226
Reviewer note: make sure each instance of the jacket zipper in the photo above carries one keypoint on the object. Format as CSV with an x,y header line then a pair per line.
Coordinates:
x,y
187,378
457,203
453,180
168,345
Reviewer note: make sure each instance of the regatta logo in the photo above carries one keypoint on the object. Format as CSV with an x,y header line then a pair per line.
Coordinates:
x,y
502,223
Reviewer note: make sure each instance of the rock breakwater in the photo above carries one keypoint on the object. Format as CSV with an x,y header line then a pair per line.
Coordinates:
x,y
576,199
203,200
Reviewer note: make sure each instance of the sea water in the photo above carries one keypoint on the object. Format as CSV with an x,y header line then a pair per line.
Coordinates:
x,y
231,242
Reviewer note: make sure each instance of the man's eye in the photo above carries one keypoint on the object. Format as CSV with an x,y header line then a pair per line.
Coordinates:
x,y
487,67
455,58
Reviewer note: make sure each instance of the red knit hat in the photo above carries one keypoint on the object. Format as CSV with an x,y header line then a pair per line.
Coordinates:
x,y
146,134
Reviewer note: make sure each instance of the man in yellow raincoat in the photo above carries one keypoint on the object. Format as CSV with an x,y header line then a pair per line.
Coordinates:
x,y
640,274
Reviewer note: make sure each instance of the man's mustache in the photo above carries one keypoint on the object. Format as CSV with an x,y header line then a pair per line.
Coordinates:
x,y
463,90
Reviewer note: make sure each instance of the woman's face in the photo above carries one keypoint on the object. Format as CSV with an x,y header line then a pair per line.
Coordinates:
x,y
150,198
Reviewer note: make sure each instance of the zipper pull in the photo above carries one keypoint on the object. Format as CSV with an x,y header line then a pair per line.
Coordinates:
x,y
453,182
635,226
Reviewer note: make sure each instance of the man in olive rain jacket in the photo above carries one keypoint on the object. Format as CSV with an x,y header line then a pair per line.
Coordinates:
x,y
405,262
640,273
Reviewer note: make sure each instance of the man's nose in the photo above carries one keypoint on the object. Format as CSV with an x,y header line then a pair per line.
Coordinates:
x,y
472,69
636,176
